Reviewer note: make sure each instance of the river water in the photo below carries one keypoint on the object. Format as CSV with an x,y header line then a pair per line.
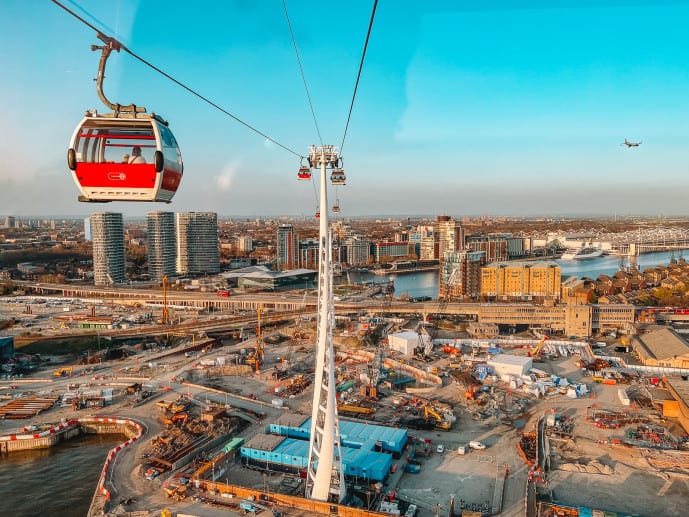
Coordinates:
x,y
426,283
59,481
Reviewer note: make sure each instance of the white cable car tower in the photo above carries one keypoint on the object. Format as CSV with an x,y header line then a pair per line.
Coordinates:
x,y
325,479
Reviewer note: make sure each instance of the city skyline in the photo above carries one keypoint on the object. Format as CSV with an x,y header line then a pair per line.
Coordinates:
x,y
517,109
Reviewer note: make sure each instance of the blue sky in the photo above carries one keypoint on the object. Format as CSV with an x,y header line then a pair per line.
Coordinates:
x,y
518,109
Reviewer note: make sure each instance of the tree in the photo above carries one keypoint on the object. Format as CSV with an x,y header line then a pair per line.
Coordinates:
x,y
663,295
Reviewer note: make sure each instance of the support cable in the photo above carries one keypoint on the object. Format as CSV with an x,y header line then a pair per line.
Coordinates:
x,y
358,76
179,83
301,70
89,15
315,194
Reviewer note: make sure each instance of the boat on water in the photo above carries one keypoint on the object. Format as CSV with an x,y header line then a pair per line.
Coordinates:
x,y
582,253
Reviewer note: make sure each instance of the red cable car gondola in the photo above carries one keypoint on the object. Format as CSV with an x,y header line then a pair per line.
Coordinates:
x,y
126,155
101,157
304,173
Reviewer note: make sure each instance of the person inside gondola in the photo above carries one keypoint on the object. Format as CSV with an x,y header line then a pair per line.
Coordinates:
x,y
136,155
125,158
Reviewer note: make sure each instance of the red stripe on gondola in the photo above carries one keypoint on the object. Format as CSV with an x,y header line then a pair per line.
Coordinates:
x,y
143,146
117,135
116,175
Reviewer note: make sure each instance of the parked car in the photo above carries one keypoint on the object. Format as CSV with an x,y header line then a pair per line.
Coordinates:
x,y
411,511
477,445
440,448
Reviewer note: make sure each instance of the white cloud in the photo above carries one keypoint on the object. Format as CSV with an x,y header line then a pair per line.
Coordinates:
x,y
225,179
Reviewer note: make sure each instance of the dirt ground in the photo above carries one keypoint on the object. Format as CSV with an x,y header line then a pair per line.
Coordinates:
x,y
589,471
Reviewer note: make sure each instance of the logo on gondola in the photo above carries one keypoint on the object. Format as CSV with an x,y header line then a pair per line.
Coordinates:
x,y
117,176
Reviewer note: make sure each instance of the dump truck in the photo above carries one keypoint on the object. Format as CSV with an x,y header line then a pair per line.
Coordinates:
x,y
178,492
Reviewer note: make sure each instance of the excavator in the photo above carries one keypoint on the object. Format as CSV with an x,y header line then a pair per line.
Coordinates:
x,y
440,422
179,418
535,353
63,372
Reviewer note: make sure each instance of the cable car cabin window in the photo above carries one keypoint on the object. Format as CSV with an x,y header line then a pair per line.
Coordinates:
x,y
170,147
114,145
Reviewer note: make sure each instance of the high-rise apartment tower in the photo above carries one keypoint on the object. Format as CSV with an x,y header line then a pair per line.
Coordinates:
x,y
107,233
197,243
287,247
161,244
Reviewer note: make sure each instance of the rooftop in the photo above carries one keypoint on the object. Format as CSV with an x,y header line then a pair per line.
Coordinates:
x,y
662,344
265,442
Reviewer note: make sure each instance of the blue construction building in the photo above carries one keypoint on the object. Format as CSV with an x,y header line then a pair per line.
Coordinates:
x,y
367,449
279,453
355,435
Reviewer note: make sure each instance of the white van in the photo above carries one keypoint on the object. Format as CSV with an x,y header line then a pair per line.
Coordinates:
x,y
411,511
462,450
477,445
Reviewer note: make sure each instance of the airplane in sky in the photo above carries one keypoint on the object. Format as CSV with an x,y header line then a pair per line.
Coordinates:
x,y
631,144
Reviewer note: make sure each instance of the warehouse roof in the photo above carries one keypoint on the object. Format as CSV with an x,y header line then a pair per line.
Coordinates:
x,y
662,344
681,388
292,420
265,442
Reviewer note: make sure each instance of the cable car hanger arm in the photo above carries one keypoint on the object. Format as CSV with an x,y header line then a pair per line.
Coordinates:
x,y
110,45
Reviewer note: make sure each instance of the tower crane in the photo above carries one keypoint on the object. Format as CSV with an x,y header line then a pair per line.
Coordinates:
x,y
165,317
256,359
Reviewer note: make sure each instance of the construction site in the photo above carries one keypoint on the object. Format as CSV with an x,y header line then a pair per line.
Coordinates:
x,y
431,422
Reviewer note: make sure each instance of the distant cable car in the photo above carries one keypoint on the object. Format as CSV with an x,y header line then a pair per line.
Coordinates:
x,y
336,207
318,214
126,155
304,173
337,177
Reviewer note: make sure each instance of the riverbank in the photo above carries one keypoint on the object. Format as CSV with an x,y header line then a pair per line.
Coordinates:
x,y
68,429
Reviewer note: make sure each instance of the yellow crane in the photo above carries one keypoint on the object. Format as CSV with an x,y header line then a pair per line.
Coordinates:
x,y
535,353
165,317
256,358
